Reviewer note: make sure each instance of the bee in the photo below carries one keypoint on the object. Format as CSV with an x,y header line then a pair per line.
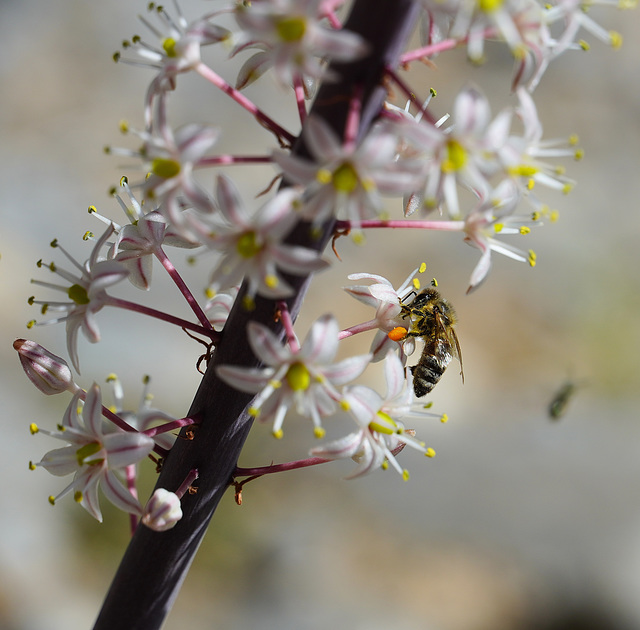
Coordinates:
x,y
560,401
432,319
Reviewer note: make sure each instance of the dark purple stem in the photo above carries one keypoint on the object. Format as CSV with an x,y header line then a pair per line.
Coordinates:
x,y
155,563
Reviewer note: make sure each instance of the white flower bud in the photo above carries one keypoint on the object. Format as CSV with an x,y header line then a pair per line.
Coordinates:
x,y
162,511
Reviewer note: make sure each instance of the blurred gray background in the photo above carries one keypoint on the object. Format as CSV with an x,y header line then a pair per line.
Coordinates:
x,y
519,522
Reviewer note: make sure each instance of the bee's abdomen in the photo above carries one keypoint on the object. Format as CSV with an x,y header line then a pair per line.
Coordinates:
x,y
428,371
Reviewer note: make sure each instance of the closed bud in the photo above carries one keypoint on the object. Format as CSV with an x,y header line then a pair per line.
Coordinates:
x,y
47,371
163,511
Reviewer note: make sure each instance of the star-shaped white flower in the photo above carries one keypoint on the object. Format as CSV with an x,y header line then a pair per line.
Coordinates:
x,y
379,431
348,180
252,247
291,39
93,456
87,292
303,377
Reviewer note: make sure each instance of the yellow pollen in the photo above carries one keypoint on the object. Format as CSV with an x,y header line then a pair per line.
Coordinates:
x,y
298,377
319,432
169,46
278,434
489,6
344,405
397,334
616,39
386,425
444,418
323,176
532,258
456,157
416,283
345,178
497,228
78,294
87,451
291,29
524,229
162,167
33,427
430,452
254,412
405,475
423,267
271,281
247,245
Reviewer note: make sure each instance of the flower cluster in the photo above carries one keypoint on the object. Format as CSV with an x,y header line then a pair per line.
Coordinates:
x,y
470,172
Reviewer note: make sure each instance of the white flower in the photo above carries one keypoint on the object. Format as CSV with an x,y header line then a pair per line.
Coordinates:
x,y
379,432
462,154
169,159
252,247
491,217
387,301
347,180
146,416
93,456
87,292
291,39
142,239
219,306
303,378
178,50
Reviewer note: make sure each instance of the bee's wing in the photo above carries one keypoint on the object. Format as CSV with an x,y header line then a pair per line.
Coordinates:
x,y
449,333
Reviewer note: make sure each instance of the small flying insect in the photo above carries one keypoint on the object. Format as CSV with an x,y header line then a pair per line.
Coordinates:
x,y
433,320
560,401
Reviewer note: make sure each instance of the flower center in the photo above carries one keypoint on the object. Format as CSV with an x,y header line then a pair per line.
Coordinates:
x,y
78,294
383,424
169,46
247,245
87,451
291,29
489,6
162,167
298,377
456,157
345,178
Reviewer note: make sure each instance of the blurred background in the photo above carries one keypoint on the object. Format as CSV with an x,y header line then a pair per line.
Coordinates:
x,y
520,522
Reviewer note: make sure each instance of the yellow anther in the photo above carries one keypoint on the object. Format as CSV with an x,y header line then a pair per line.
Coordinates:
x,y
434,282
52,500
616,39
254,412
77,496
554,215
278,434
344,405
323,176
444,418
532,258
32,466
430,452
524,229
88,235
271,281
405,475
497,227
358,238
33,428
422,268
319,432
